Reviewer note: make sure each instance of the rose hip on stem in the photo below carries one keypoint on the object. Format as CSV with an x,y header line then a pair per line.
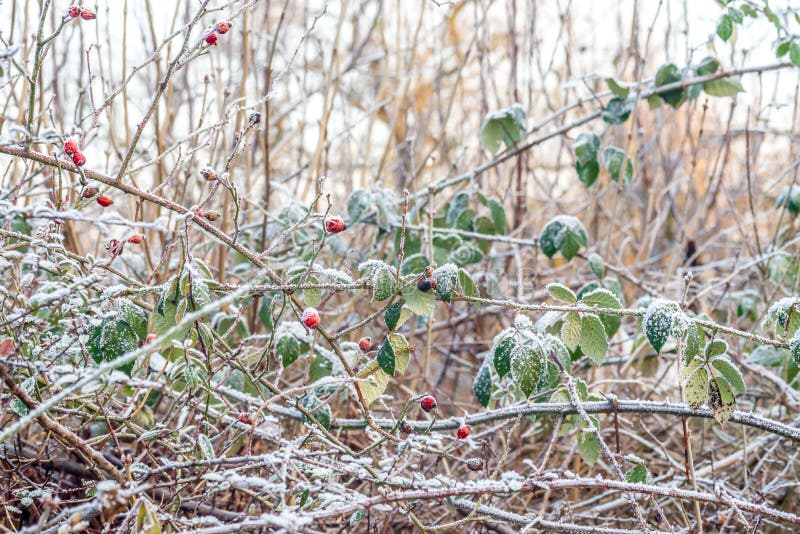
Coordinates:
x,y
78,159
104,200
334,224
310,317
428,403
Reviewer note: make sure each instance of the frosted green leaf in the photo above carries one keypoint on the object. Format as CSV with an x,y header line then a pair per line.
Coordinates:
x,y
421,303
564,234
597,265
689,368
386,358
696,388
482,385
134,316
206,447
715,347
396,314
467,285
384,284
502,356
794,348
561,292
613,159
638,475
594,342
588,447
603,298
571,330
402,354
723,87
731,373
721,401
288,349
526,368
446,278
321,412
657,322
414,264
373,383
110,340
506,126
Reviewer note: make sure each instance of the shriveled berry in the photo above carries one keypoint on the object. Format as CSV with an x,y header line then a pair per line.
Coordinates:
x,y
254,118
475,464
429,271
87,14
334,224
74,12
310,317
70,147
136,239
115,247
211,39
104,200
79,159
245,418
208,174
211,215
365,343
90,192
433,283
424,285
405,428
428,403
463,432
223,27
149,339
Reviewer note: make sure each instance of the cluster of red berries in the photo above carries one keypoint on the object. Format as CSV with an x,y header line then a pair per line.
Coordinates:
x,y
221,28
82,12
73,150
428,403
334,224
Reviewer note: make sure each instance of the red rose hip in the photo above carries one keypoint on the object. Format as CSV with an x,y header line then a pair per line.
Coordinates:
x,y
74,12
334,224
463,432
365,343
310,317
211,39
79,159
70,147
87,14
136,239
223,27
428,403
104,200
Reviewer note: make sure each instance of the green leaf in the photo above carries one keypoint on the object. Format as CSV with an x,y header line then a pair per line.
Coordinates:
x,y
709,65
736,15
715,347
588,447
588,173
421,303
502,356
321,412
731,373
359,203
526,368
456,207
770,356
467,285
721,401
446,278
498,216
288,349
783,48
134,316
657,322
689,368
794,54
373,383
386,358
617,89
723,87
597,265
603,298
612,161
794,348
402,354
357,516
571,331
638,475
111,339
414,264
561,292
465,255
594,342
506,126
725,27
586,147
385,284
564,234
617,110
320,368
668,74
395,315
696,388
482,385
206,447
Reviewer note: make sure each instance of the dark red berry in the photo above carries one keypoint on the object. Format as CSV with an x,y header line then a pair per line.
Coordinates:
x,y
334,224
87,14
70,147
463,432
104,201
424,285
475,464
136,239
211,39
433,284
365,344
223,27
428,403
79,159
310,317
90,192
74,12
